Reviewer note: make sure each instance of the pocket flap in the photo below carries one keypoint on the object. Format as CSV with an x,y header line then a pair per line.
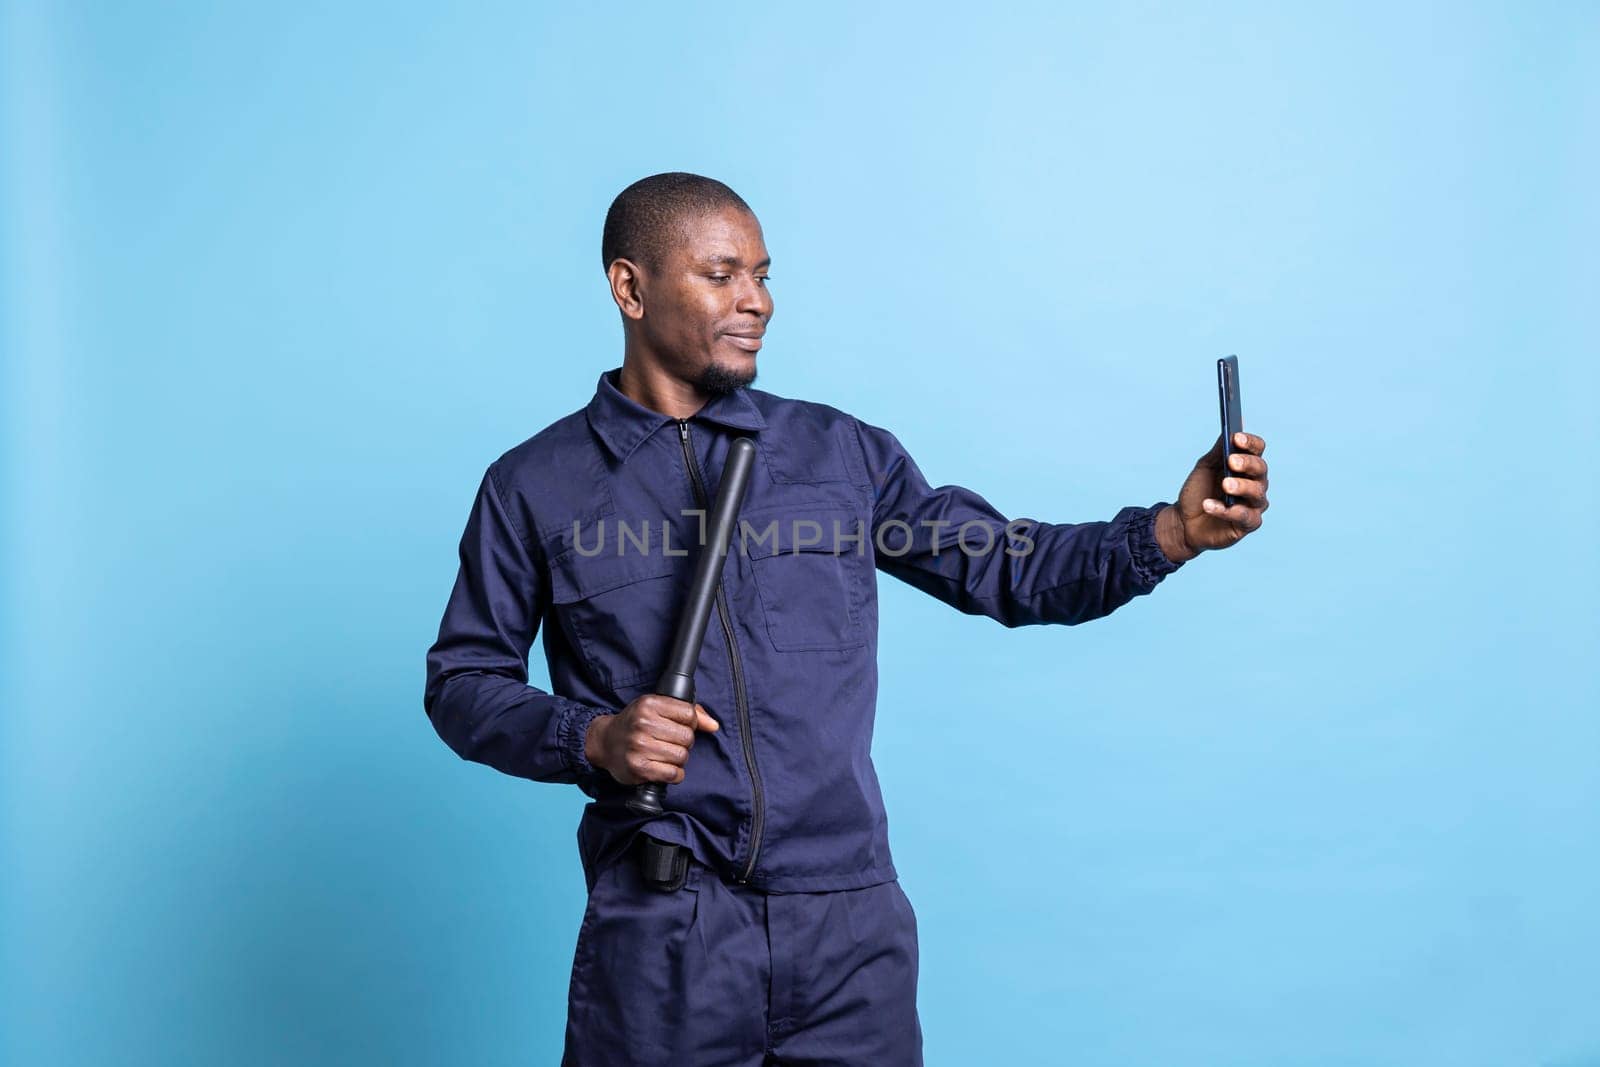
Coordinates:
x,y
574,576
830,528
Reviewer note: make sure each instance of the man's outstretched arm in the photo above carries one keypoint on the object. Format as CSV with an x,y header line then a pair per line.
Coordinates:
x,y
951,543
477,693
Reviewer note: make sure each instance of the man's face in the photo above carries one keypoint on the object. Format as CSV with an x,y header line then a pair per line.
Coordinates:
x,y
706,305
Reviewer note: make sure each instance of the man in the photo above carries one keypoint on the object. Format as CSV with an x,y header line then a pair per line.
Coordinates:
x,y
758,920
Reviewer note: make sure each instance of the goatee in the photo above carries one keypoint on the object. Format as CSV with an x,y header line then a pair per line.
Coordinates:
x,y
718,380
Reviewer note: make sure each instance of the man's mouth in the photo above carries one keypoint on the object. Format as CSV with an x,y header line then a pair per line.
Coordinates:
x,y
750,342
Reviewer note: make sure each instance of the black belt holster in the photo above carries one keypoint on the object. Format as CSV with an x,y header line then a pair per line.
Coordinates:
x,y
661,865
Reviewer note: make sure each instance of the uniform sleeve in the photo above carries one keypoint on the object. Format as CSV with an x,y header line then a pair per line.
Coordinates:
x,y
952,544
477,693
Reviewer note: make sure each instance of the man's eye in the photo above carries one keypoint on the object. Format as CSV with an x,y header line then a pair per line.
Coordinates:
x,y
719,277
763,278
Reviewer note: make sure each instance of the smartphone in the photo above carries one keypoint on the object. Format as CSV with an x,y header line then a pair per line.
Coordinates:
x,y
1232,418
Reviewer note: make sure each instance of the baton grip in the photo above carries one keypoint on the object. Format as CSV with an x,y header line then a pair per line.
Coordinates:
x,y
677,680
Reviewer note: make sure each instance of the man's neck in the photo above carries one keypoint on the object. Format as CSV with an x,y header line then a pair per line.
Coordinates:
x,y
657,390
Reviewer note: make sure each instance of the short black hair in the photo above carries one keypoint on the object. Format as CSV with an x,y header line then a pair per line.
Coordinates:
x,y
643,219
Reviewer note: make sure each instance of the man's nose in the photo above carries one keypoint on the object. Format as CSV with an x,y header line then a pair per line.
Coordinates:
x,y
754,299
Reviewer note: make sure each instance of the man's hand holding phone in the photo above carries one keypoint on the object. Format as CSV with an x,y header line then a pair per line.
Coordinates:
x,y
1200,520
1224,497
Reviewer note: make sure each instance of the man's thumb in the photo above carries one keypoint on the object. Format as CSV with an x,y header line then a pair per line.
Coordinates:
x,y
705,721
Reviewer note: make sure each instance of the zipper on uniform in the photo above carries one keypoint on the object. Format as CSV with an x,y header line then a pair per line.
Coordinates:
x,y
739,700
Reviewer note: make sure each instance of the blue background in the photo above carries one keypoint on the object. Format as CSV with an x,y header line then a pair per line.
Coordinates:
x,y
278,285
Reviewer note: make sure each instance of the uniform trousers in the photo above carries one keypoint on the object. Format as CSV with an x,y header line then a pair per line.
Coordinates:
x,y
717,974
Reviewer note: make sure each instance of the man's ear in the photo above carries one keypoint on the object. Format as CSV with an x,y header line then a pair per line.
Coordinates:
x,y
627,287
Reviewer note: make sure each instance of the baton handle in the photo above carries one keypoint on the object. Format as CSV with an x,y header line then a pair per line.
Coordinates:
x,y
677,681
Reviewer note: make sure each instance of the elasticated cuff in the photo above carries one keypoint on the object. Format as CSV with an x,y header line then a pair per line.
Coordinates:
x,y
574,727
1149,562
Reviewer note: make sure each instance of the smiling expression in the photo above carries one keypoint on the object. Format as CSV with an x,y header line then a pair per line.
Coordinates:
x,y
704,309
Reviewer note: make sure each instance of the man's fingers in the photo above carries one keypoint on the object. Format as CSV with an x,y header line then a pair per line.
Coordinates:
x,y
1247,465
1242,516
652,771
1249,442
654,708
674,733
661,751
1246,489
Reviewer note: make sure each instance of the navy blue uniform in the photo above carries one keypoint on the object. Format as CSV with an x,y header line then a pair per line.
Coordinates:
x,y
587,531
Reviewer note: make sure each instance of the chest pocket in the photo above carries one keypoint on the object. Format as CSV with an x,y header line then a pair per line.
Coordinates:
x,y
810,593
619,610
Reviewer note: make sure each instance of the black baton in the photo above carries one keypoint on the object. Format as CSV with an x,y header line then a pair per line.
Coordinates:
x,y
677,681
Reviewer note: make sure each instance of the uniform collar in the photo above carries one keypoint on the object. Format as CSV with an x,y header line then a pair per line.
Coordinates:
x,y
623,423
